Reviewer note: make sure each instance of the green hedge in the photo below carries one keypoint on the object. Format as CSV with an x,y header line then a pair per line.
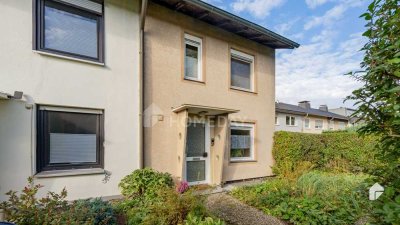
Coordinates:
x,y
296,153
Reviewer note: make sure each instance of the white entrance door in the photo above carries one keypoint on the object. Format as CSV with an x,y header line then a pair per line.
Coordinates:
x,y
197,153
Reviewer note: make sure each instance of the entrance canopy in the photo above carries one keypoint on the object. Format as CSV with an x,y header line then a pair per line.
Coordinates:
x,y
204,110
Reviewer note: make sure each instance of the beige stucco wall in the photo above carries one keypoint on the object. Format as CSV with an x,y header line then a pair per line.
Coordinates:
x,y
54,81
165,89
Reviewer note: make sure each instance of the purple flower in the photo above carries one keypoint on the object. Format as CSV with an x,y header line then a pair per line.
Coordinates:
x,y
182,187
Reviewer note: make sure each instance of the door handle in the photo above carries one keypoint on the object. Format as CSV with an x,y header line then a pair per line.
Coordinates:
x,y
205,154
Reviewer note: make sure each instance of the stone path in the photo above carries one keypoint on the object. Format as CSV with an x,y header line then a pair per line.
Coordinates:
x,y
234,212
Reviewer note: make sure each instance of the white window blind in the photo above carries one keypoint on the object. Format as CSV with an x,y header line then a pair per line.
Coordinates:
x,y
72,148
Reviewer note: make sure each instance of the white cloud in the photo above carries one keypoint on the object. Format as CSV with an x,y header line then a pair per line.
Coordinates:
x,y
283,28
316,71
312,4
332,15
258,8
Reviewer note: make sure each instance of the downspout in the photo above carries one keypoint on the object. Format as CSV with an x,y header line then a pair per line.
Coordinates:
x,y
302,129
141,80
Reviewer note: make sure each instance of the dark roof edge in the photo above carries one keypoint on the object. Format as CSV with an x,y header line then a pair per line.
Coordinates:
x,y
250,24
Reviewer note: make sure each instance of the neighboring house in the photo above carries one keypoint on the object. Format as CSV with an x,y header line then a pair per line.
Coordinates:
x,y
209,93
303,118
349,113
77,124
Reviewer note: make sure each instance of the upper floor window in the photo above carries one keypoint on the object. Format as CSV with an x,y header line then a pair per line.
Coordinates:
x,y
290,120
242,71
307,123
72,28
193,58
69,138
319,124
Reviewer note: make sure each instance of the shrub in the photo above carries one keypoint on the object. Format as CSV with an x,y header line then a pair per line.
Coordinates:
x,y
315,198
144,183
101,212
196,220
296,153
27,209
172,207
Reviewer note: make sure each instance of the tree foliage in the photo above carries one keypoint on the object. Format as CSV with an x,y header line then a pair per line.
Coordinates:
x,y
378,100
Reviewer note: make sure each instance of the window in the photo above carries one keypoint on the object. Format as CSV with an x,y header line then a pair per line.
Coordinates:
x,y
69,138
290,121
307,123
193,58
242,70
276,120
319,124
242,141
71,28
342,125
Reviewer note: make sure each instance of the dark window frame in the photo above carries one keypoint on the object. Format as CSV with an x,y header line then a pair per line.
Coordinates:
x,y
38,28
43,145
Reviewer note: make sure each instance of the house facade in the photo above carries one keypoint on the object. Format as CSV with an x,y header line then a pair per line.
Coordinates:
x,y
209,93
77,122
303,118
93,89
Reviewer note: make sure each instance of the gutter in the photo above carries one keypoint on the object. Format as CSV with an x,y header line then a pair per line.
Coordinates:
x,y
143,12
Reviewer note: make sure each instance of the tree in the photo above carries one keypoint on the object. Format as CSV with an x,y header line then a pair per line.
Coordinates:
x,y
378,100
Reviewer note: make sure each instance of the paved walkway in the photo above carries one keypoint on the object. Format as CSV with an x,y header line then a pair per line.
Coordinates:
x,y
234,212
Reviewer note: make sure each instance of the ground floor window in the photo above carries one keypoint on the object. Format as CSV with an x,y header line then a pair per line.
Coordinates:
x,y
341,125
307,123
242,141
319,124
290,120
69,138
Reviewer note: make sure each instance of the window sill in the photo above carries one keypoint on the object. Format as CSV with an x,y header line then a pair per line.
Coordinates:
x,y
243,90
242,161
194,80
73,172
69,58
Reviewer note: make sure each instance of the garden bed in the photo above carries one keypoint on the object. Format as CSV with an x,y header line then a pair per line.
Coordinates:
x,y
314,198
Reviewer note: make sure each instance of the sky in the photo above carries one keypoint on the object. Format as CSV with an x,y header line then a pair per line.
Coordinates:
x,y
330,35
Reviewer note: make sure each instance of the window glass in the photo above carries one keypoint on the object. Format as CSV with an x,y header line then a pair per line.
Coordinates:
x,y
241,141
72,137
307,123
318,124
240,73
68,32
191,61
276,120
342,125
290,120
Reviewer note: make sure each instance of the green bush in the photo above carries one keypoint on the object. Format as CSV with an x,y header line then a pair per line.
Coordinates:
x,y
296,153
150,198
315,198
144,183
28,209
197,220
